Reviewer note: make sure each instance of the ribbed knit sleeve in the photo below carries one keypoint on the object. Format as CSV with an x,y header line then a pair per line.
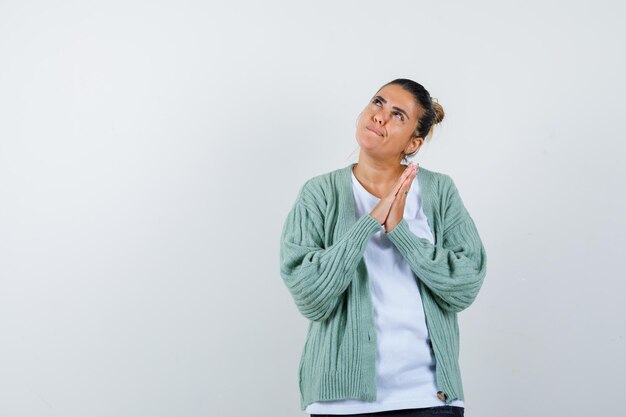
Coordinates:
x,y
315,275
453,269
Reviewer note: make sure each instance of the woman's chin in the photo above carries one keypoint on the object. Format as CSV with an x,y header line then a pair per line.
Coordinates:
x,y
368,141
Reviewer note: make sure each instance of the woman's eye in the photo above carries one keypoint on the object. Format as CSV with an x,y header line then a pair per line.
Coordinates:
x,y
376,102
399,116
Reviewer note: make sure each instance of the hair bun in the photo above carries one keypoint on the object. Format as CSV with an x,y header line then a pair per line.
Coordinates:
x,y
439,113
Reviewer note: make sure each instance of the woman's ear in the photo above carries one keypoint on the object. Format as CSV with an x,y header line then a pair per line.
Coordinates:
x,y
414,144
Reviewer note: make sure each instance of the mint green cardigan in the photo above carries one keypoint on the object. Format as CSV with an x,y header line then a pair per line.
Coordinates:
x,y
321,263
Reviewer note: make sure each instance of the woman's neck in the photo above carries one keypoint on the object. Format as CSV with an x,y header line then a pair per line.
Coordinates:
x,y
377,178
375,172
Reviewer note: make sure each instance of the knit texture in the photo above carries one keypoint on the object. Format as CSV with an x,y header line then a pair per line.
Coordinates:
x,y
321,263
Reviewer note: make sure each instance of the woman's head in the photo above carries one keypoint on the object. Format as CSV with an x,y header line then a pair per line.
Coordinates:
x,y
398,119
432,112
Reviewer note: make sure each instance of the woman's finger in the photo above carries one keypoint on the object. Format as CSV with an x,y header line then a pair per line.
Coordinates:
x,y
410,169
406,185
396,210
404,189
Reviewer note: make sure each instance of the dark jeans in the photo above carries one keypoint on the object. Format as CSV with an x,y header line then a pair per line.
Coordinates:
x,y
439,411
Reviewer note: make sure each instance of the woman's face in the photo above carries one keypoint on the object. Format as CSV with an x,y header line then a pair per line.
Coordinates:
x,y
386,126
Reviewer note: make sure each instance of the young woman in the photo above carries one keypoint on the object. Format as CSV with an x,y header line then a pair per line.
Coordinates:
x,y
380,257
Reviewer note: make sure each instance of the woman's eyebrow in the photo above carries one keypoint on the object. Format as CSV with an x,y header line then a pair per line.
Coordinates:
x,y
393,107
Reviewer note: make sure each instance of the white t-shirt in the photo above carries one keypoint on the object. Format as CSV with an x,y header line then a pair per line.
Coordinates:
x,y
405,363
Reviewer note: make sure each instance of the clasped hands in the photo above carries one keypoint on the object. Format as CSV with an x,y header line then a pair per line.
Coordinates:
x,y
390,209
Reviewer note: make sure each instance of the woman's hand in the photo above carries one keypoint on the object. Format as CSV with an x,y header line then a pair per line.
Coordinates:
x,y
382,210
396,212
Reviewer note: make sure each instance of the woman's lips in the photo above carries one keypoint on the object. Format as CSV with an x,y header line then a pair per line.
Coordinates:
x,y
371,129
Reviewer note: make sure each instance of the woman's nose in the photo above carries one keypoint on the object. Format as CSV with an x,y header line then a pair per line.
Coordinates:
x,y
379,117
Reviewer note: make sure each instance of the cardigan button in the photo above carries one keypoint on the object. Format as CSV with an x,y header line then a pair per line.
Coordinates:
x,y
442,395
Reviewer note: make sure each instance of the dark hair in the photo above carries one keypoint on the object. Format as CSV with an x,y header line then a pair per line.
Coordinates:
x,y
433,112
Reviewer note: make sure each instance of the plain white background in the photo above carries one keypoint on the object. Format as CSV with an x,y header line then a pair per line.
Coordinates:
x,y
150,151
